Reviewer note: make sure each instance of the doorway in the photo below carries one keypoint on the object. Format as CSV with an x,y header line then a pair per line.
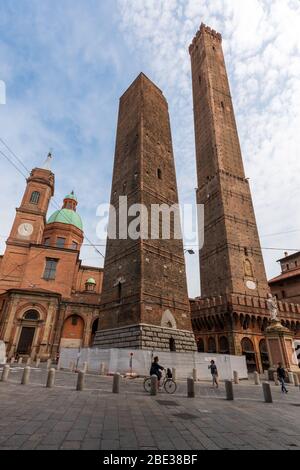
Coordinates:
x,y
26,339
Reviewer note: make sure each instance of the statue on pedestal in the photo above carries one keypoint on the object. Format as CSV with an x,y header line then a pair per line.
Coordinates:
x,y
273,307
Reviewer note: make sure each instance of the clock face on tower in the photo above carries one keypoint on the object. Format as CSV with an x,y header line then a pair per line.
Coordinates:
x,y
25,229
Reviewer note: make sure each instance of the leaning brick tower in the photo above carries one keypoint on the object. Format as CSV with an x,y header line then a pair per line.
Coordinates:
x,y
144,302
231,259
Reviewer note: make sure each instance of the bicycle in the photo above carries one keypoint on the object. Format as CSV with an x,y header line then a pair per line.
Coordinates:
x,y
168,384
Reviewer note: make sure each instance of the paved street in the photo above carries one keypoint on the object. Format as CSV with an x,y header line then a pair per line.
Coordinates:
x,y
33,417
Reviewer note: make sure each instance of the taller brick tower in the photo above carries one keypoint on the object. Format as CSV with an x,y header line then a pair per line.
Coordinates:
x,y
144,301
231,259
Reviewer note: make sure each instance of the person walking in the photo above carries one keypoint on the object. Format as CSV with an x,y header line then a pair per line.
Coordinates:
x,y
214,373
281,377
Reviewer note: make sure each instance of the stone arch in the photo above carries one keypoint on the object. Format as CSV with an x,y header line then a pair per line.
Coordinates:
x,y
94,329
168,320
72,333
200,345
212,348
264,355
224,345
32,315
248,351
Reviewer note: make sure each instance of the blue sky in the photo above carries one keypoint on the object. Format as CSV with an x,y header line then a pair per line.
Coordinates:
x,y
66,63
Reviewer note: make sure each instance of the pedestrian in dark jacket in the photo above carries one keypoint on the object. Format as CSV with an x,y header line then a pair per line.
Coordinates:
x,y
214,373
281,377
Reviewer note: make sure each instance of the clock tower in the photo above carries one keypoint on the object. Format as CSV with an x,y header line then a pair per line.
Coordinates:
x,y
28,226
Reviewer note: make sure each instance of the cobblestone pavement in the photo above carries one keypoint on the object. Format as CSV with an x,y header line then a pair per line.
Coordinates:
x,y
34,417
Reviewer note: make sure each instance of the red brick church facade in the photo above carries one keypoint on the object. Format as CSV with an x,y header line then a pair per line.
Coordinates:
x,y
48,298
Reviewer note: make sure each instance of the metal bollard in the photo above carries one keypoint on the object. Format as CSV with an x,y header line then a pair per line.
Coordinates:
x,y
256,378
5,373
12,360
229,390
85,367
25,376
195,375
236,377
28,362
296,380
153,390
116,383
20,360
80,381
50,378
190,388
102,368
37,362
267,392
275,375
174,374
291,378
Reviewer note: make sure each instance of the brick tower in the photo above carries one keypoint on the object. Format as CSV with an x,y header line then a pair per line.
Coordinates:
x,y
231,259
144,302
28,226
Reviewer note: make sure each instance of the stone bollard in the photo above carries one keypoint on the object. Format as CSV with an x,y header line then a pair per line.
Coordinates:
x,y
256,378
25,376
28,362
37,362
195,375
153,390
20,360
116,383
5,373
296,380
275,375
229,390
102,368
190,388
80,381
85,367
174,374
50,378
236,377
291,378
267,392
12,360
49,363
72,366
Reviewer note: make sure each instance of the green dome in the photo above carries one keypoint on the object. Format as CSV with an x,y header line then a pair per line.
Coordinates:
x,y
91,280
66,216
71,196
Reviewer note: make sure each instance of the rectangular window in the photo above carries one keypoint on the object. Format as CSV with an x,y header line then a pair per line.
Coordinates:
x,y
60,242
50,269
47,241
74,246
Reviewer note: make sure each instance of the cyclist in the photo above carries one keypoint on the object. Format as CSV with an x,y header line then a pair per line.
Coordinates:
x,y
156,370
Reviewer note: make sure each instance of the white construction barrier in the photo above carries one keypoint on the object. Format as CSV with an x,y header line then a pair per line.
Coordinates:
x,y
2,353
118,360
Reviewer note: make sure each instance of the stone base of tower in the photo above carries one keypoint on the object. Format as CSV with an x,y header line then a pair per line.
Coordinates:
x,y
146,337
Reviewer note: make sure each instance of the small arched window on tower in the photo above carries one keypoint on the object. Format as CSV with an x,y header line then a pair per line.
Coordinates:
x,y
119,292
35,197
159,174
222,105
